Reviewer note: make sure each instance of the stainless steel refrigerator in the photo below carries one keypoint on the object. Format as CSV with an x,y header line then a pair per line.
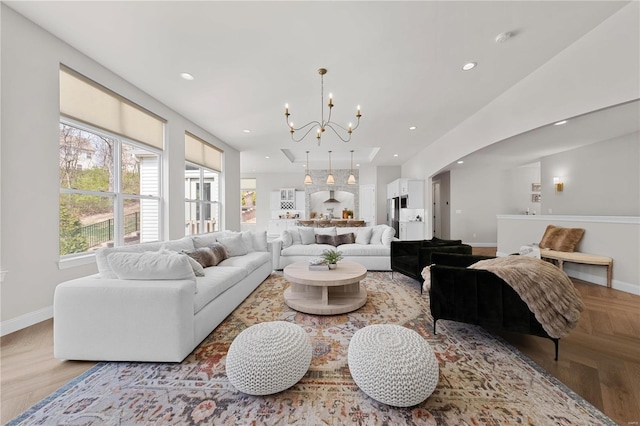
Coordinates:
x,y
393,214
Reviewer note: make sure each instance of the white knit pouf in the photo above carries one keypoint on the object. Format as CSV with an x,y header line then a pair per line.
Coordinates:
x,y
268,358
393,365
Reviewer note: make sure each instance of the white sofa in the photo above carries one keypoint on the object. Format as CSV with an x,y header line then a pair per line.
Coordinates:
x,y
372,246
160,315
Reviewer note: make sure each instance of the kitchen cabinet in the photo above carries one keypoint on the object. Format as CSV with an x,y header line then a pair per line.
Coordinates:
x,y
411,231
413,190
393,189
287,199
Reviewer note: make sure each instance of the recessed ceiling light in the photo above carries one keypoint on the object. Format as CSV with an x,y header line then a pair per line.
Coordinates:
x,y
247,131
357,165
469,66
395,155
560,123
412,128
186,76
266,156
460,162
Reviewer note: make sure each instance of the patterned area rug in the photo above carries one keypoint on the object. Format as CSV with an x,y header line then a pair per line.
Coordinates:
x,y
482,380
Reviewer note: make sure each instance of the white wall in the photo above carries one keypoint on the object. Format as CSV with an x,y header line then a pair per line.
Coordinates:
x,y
599,179
617,237
607,58
29,168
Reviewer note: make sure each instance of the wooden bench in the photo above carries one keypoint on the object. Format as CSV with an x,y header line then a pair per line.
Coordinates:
x,y
577,257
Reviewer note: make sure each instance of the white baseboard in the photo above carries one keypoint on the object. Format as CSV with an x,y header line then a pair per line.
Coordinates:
x,y
26,320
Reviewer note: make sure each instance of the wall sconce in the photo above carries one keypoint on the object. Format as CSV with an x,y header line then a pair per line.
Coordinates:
x,y
558,184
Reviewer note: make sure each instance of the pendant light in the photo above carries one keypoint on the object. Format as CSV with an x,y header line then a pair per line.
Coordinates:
x,y
330,180
307,176
352,178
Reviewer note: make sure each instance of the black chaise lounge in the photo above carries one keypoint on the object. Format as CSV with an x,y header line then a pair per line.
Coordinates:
x,y
476,296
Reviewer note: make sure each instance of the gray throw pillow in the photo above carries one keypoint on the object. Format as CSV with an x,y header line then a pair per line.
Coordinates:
x,y
344,239
325,239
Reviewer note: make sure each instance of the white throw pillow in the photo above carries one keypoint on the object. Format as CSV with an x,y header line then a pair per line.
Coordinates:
x,y
184,243
326,231
151,265
387,235
295,236
234,245
247,239
307,235
205,240
260,241
376,235
286,239
364,235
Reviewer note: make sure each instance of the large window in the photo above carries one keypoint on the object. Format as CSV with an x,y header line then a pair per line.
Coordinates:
x,y
202,186
110,153
248,200
109,190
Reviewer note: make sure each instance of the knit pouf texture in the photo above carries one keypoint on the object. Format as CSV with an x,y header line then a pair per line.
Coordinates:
x,y
393,365
268,358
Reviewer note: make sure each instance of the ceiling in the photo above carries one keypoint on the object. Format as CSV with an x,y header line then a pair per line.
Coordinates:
x,y
400,61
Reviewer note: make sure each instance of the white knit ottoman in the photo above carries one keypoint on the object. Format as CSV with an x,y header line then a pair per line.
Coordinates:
x,y
268,358
393,365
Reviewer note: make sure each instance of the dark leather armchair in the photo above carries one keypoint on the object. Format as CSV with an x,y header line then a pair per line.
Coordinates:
x,y
476,296
410,257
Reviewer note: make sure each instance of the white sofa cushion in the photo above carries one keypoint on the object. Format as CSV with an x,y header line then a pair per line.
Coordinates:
x,y
204,240
364,235
364,250
307,235
260,241
216,281
103,263
306,250
234,245
326,231
287,240
151,265
250,261
184,243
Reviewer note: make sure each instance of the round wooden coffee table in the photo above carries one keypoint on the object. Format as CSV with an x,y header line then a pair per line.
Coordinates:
x,y
330,292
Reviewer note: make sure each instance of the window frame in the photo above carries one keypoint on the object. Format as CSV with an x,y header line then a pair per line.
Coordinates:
x,y
117,196
200,202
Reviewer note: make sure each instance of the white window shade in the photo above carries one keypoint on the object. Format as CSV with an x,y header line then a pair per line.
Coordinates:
x,y
86,101
201,153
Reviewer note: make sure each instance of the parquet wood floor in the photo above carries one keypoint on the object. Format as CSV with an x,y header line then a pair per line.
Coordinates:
x,y
599,360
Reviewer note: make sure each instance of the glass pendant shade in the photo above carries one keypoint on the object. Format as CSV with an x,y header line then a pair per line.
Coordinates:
x,y
330,179
352,179
307,176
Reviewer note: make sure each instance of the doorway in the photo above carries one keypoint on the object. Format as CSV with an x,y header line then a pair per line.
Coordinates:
x,y
437,214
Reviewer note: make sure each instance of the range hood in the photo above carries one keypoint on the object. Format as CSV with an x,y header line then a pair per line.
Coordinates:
x,y
331,198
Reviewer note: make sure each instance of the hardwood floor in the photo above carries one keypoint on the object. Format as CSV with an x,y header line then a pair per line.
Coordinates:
x,y
599,360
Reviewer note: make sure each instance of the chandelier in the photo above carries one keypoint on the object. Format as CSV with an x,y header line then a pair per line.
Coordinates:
x,y
322,125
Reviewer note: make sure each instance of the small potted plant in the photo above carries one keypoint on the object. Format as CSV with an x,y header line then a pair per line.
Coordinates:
x,y
332,257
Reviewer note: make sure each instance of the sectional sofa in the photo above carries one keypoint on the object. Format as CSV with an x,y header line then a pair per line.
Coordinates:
x,y
147,303
370,245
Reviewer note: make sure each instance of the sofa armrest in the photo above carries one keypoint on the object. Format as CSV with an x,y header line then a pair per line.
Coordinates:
x,y
124,320
275,247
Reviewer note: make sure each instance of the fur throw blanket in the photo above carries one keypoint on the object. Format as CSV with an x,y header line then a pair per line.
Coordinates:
x,y
547,290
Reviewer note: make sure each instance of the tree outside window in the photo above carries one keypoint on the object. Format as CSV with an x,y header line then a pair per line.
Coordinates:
x,y
248,200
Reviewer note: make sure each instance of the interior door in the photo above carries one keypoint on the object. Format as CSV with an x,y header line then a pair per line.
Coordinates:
x,y
437,219
368,204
